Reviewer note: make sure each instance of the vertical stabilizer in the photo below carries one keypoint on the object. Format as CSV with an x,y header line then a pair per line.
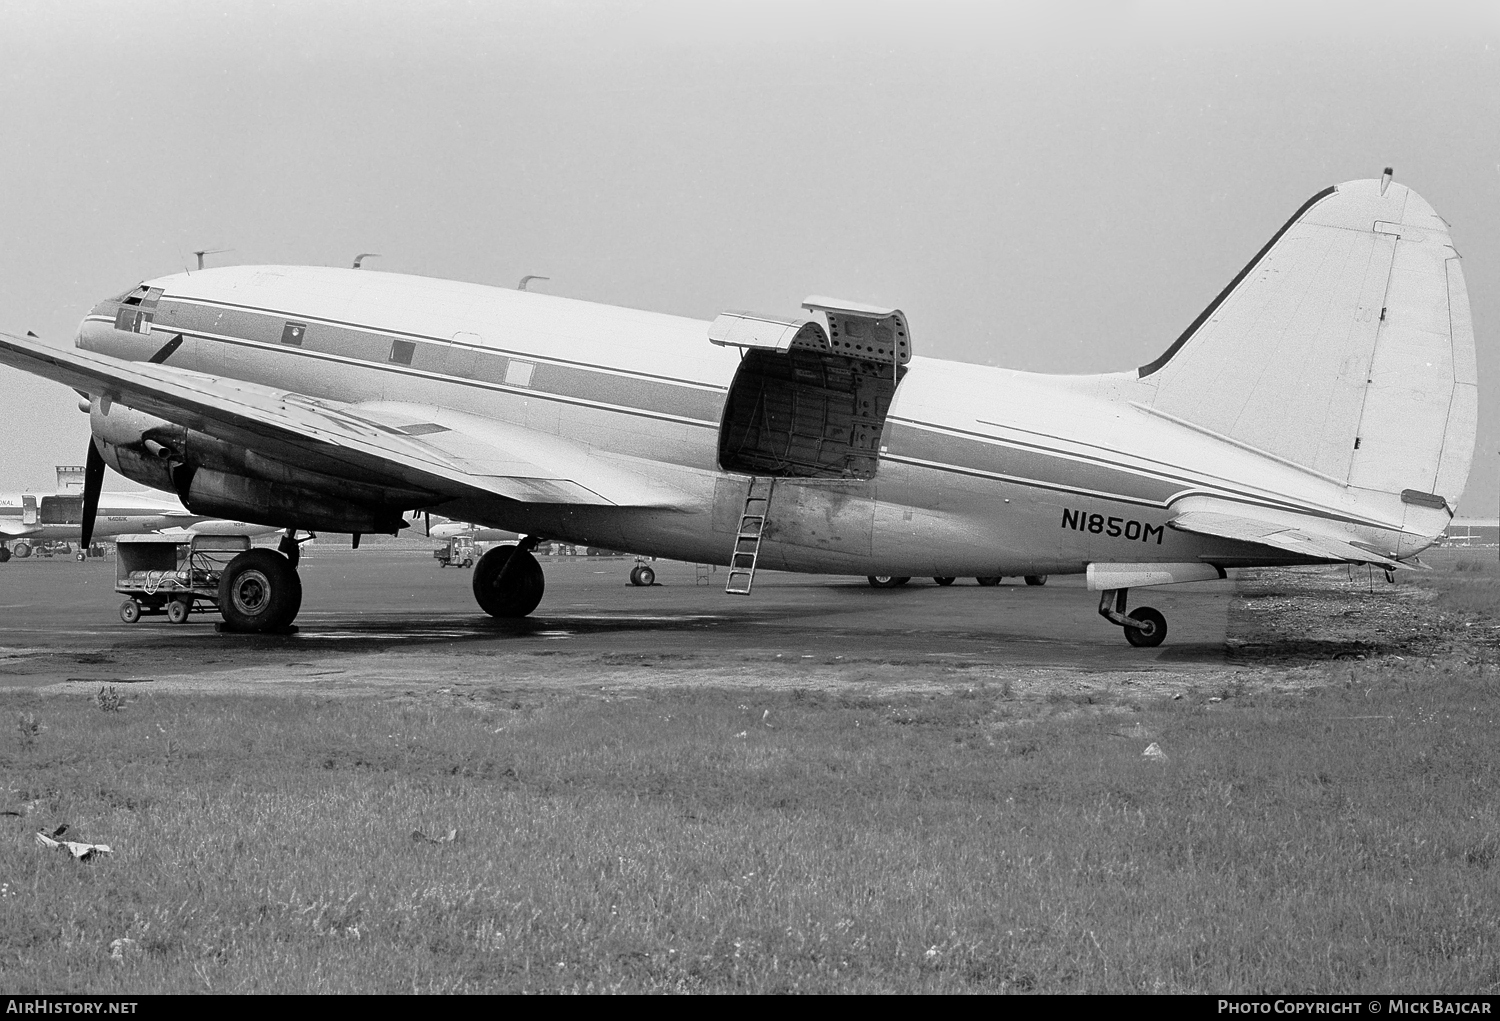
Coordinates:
x,y
1345,346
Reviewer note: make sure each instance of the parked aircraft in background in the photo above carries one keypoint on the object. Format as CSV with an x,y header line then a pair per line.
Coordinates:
x,y
29,519
445,529
1321,409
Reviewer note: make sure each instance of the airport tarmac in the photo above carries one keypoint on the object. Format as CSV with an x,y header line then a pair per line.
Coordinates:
x,y
390,612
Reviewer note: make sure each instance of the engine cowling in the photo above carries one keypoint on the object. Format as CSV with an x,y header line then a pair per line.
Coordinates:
x,y
220,479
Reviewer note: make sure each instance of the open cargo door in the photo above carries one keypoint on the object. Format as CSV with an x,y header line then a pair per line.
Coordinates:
x,y
809,402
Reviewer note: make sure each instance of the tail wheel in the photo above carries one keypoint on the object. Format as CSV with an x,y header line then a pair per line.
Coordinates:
x,y
887,581
643,576
989,580
1153,629
259,591
1036,579
518,593
945,581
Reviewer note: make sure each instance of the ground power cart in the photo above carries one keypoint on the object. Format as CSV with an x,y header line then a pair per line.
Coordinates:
x,y
158,575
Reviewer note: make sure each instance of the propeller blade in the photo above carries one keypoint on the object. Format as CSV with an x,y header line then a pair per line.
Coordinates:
x,y
166,350
93,481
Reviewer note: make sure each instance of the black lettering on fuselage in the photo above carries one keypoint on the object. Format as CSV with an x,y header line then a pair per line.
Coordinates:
x,y
1119,528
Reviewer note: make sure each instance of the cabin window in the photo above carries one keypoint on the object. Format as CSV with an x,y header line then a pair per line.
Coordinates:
x,y
518,373
292,333
401,352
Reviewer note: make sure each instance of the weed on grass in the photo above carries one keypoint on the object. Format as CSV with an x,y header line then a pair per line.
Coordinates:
x,y
109,700
1338,837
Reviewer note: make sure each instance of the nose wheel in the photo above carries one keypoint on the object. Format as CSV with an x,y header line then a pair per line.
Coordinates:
x,y
1144,627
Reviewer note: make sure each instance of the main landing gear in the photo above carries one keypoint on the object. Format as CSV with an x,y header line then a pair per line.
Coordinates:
x,y
259,591
1144,627
508,581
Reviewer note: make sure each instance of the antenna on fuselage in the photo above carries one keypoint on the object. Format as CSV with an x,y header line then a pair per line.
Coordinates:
x,y
210,251
1385,179
528,278
362,256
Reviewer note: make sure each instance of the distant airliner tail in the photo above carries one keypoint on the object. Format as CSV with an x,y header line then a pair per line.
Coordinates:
x,y
1345,346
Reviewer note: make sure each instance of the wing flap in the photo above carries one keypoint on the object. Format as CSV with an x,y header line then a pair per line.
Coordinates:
x,y
447,452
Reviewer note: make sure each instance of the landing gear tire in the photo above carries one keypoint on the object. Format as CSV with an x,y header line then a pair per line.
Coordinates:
x,y
178,610
1036,579
81,556
887,581
130,611
4,554
518,592
21,549
259,592
945,581
1153,629
989,581
643,577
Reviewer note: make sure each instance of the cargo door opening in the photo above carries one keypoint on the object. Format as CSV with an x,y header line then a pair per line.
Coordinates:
x,y
807,403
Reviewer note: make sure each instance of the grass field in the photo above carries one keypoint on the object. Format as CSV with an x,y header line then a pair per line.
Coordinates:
x,y
1337,834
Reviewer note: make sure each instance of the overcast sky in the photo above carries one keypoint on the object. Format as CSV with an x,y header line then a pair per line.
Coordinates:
x,y
1045,187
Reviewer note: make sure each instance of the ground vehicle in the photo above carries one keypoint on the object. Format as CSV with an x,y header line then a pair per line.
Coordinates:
x,y
459,551
170,576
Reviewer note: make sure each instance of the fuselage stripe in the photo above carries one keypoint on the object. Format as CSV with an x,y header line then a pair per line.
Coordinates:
x,y
446,341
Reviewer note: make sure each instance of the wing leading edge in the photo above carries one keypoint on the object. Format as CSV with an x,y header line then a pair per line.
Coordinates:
x,y
447,452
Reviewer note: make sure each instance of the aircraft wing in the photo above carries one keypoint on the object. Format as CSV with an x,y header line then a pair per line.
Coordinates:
x,y
16,530
1300,539
448,453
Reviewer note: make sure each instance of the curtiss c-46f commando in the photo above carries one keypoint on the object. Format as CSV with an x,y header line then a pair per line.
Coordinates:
x,y
1321,409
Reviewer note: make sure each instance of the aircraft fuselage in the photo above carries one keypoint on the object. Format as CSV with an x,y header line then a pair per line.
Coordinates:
x,y
969,470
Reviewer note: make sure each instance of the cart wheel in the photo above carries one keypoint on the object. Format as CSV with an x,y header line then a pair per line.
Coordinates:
x,y
178,610
469,562
130,611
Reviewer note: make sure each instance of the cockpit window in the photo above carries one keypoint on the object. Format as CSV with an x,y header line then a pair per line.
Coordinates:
x,y
137,309
132,319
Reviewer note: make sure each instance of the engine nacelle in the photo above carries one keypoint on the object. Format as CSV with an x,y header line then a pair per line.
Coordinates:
x,y
221,479
137,445
221,495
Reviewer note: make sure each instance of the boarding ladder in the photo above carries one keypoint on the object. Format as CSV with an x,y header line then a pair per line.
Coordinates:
x,y
747,538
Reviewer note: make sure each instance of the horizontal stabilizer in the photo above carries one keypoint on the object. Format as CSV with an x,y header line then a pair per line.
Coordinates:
x,y
1299,540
